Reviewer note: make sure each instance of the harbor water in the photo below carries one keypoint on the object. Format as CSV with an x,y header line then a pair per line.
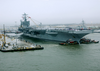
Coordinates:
x,y
54,57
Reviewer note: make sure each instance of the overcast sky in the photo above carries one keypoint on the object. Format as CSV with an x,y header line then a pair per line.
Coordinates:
x,y
50,11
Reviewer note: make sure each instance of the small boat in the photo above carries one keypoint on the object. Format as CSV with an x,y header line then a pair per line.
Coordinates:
x,y
69,42
93,41
87,41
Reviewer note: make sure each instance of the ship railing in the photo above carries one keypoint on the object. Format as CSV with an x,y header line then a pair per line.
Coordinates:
x,y
68,30
62,30
81,31
34,29
72,30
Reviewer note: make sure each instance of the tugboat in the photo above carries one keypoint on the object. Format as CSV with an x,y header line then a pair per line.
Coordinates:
x,y
69,42
87,41
82,41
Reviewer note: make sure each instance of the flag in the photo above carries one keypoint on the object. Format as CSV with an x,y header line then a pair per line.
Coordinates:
x,y
29,17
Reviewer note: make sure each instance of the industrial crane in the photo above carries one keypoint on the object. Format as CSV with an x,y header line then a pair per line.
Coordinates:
x,y
33,21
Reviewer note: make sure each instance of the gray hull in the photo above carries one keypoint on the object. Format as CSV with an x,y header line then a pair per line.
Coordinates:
x,y
57,37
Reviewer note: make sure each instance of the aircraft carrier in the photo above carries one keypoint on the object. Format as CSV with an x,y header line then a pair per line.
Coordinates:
x,y
52,33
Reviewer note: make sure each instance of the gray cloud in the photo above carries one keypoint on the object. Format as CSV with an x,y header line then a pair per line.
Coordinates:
x,y
50,11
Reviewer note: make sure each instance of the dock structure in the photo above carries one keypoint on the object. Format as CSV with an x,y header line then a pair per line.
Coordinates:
x,y
21,49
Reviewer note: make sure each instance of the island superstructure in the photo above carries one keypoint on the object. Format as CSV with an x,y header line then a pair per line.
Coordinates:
x,y
53,33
